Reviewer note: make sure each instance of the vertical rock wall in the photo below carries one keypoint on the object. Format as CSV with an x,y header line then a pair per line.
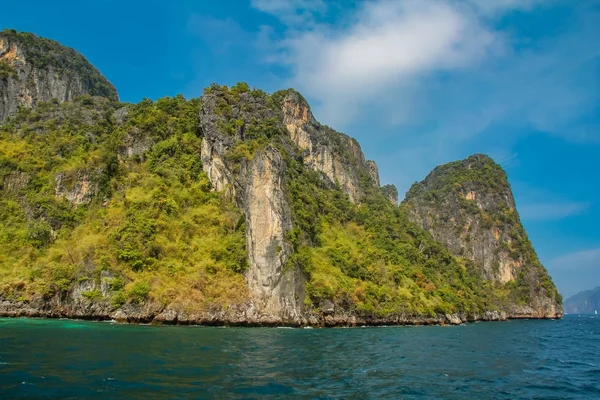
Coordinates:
x,y
277,290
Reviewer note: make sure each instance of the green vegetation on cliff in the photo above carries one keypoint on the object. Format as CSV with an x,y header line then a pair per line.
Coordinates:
x,y
152,223
370,259
116,194
365,258
469,203
6,70
42,53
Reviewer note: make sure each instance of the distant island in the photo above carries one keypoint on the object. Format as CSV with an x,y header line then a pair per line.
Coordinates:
x,y
586,302
235,208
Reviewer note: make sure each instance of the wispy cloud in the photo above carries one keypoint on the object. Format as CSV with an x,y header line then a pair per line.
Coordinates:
x,y
576,271
384,43
446,73
499,6
552,211
292,12
395,58
507,160
581,260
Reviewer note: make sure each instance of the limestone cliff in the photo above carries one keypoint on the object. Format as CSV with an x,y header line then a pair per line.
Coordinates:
x,y
235,208
391,193
79,189
236,125
255,179
337,156
468,206
33,69
277,290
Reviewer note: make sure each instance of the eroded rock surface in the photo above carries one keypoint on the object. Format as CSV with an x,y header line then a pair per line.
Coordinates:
x,y
337,156
468,206
37,69
277,290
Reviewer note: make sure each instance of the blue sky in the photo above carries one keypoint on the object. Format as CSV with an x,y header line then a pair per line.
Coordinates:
x,y
418,83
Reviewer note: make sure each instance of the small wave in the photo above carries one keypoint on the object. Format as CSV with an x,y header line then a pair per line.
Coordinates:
x,y
594,371
571,362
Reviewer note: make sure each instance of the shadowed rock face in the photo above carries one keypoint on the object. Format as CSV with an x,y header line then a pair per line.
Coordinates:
x,y
35,69
468,206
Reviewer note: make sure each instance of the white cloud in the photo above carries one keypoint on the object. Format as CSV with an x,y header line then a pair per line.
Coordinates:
x,y
395,56
452,77
386,44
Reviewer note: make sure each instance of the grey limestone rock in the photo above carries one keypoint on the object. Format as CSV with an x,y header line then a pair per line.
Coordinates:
x,y
40,70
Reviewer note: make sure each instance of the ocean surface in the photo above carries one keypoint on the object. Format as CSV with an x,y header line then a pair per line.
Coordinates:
x,y
488,360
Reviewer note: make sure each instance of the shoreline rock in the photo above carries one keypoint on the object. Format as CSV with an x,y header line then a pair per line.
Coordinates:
x,y
240,317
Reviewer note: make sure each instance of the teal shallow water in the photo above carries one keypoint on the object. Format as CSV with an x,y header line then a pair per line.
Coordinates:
x,y
508,360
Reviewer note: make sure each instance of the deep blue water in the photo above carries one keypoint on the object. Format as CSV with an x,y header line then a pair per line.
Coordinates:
x,y
507,360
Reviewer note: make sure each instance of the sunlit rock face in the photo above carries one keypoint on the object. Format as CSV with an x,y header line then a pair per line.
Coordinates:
x,y
33,69
468,206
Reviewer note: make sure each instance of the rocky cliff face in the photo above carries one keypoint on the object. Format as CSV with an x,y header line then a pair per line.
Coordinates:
x,y
235,208
468,206
234,124
391,193
254,177
79,189
34,69
277,290
337,156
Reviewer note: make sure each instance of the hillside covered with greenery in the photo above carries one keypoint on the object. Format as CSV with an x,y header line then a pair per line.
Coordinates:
x,y
468,205
155,226
42,53
152,221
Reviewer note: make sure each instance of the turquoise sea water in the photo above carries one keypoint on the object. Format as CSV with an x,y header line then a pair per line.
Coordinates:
x,y
507,360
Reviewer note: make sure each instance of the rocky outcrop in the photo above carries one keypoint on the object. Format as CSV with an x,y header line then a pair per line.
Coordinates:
x,y
213,162
14,182
36,69
460,208
79,189
257,186
468,206
391,193
373,171
277,288
66,306
337,156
